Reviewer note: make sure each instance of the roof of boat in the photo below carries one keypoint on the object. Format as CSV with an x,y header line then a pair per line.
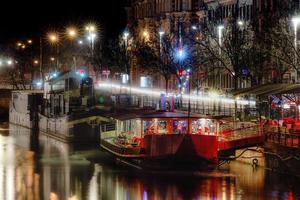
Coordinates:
x,y
145,114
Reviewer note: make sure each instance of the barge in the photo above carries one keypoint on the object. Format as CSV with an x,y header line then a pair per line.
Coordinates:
x,y
147,136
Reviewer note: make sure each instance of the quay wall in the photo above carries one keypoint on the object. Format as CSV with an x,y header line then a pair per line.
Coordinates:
x,y
5,96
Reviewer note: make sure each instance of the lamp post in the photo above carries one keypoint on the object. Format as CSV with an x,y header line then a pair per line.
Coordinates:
x,y
220,34
91,36
296,21
125,38
72,34
161,34
53,39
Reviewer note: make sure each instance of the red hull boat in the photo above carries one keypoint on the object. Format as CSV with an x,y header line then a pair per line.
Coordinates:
x,y
177,136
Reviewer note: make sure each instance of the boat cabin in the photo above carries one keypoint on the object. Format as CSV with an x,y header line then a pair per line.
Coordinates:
x,y
135,126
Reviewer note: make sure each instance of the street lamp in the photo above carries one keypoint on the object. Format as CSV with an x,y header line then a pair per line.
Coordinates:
x,y
91,30
72,33
53,38
220,31
146,35
240,23
80,42
9,62
125,38
296,21
161,34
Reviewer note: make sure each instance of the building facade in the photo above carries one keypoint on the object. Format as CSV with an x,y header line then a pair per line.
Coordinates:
x,y
147,17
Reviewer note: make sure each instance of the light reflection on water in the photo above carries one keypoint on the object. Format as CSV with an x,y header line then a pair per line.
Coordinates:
x,y
48,169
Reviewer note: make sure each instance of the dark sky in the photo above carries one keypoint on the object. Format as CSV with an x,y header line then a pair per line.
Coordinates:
x,y
31,19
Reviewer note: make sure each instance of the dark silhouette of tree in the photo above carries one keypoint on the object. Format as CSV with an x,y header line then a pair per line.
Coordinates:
x,y
160,56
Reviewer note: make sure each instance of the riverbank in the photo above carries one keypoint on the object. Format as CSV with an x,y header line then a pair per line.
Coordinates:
x,y
5,97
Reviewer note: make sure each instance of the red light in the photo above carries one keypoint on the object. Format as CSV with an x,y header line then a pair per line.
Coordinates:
x,y
179,72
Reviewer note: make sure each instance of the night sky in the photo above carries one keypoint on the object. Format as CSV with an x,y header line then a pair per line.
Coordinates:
x,y
28,19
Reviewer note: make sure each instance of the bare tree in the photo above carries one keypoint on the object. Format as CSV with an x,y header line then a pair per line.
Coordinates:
x,y
160,56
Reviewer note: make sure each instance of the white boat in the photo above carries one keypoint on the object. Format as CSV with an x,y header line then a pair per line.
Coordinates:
x,y
63,110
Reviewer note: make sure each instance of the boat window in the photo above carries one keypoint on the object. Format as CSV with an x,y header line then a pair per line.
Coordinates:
x,y
203,126
162,127
155,127
148,127
179,126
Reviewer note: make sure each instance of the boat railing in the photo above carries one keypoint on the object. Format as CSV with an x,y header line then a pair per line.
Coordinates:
x,y
284,139
240,133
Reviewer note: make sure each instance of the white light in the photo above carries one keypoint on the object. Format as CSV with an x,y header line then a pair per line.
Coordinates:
x,y
213,95
156,92
39,83
125,78
126,35
161,33
54,74
194,27
220,27
145,82
9,62
240,23
295,21
286,106
91,36
0,62
80,42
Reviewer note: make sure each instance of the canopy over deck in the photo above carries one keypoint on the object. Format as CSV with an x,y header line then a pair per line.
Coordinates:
x,y
269,89
146,114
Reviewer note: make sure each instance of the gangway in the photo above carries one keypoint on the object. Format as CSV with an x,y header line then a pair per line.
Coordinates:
x,y
223,145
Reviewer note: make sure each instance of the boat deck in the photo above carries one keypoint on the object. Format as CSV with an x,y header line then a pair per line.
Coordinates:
x,y
122,150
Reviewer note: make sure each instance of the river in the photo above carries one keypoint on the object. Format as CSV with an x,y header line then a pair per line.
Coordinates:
x,y
43,168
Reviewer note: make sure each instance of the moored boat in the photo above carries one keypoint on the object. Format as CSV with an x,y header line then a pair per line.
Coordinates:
x,y
163,136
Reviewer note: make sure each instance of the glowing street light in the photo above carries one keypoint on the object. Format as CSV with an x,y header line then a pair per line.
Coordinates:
x,y
240,23
80,42
146,35
9,62
220,33
53,37
180,54
52,58
35,62
125,38
161,34
125,35
194,27
91,37
90,28
29,41
72,33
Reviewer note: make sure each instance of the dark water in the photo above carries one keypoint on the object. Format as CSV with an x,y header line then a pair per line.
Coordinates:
x,y
47,169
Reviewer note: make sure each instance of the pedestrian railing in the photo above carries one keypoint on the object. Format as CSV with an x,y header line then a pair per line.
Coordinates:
x,y
240,133
285,139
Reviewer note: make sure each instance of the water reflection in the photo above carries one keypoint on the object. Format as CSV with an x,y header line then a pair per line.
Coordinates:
x,y
42,168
